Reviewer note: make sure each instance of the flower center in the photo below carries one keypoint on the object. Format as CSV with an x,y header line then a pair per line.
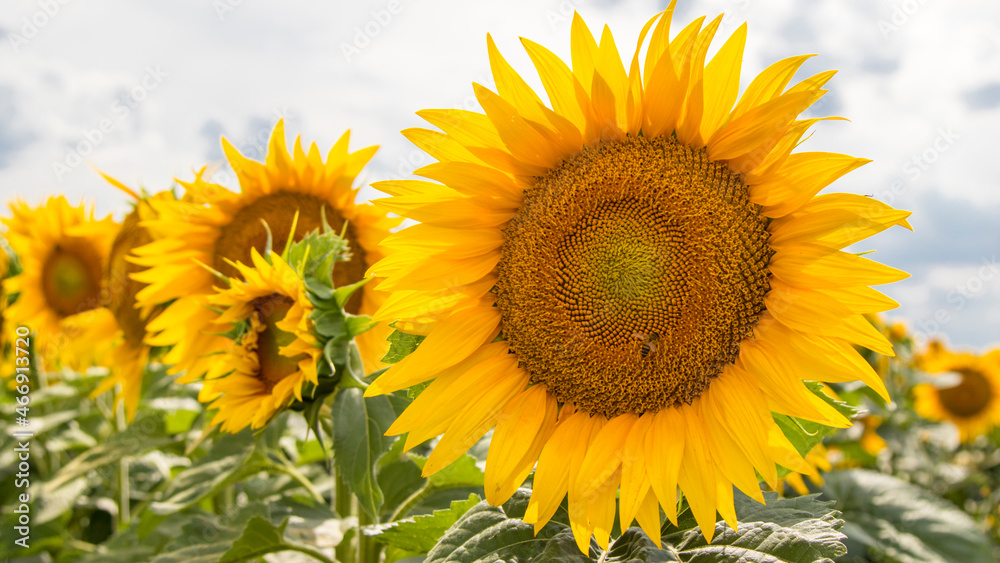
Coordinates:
x,y
71,278
970,397
268,339
120,288
630,275
245,231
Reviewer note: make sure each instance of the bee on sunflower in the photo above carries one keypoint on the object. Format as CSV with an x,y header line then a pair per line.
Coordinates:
x,y
625,283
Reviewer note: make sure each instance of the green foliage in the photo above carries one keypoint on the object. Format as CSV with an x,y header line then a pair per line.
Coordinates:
x,y
805,435
420,533
800,530
359,425
890,519
401,344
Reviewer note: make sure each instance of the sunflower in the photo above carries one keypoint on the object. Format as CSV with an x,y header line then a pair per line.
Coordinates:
x,y
129,354
626,283
211,227
973,402
63,252
275,353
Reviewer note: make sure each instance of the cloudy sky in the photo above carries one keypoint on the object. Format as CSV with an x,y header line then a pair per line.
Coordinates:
x,y
144,90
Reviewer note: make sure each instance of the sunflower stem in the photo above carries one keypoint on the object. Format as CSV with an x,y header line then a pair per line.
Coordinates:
x,y
342,504
368,550
125,494
412,501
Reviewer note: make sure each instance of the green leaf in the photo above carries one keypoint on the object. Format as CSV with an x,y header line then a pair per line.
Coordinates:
x,y
359,425
259,538
901,522
562,548
462,472
232,457
419,534
342,294
635,547
805,435
142,435
489,534
797,530
401,344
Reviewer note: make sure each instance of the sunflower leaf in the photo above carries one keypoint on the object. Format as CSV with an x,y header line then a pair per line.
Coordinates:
x,y
804,434
898,521
490,534
420,533
462,472
634,546
799,530
359,440
401,344
232,457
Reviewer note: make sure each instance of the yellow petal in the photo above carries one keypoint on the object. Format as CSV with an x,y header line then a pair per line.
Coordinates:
x,y
452,341
522,429
722,82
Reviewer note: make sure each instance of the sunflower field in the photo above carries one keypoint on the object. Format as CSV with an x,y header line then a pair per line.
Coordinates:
x,y
613,320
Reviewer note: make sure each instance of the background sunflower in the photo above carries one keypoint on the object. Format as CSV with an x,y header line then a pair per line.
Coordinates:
x,y
130,354
970,400
211,226
63,251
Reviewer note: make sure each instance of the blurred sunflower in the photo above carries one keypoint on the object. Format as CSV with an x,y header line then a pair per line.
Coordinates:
x,y
63,252
657,266
275,352
973,403
211,227
129,354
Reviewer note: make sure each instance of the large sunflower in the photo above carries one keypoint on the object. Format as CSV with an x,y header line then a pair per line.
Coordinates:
x,y
212,226
276,352
973,402
626,283
63,252
130,353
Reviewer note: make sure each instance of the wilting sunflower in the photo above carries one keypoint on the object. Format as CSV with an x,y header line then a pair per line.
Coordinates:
x,y
212,226
63,252
130,353
276,352
625,283
973,402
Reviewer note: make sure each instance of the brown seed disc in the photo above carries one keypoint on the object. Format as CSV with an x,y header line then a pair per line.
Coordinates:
x,y
970,397
631,273
274,367
120,288
245,231
71,277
